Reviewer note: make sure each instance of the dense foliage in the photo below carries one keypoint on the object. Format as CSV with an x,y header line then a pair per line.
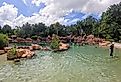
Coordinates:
x,y
3,40
55,42
108,27
13,51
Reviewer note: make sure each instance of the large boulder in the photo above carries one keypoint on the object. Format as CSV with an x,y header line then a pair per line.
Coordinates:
x,y
24,53
25,47
20,52
36,47
20,40
104,43
90,37
28,40
63,46
90,41
6,49
2,52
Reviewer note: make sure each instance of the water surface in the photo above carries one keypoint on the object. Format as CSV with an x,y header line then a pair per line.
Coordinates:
x,y
78,64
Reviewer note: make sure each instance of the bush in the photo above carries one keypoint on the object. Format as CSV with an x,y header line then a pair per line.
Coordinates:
x,y
34,37
12,53
3,41
13,50
55,42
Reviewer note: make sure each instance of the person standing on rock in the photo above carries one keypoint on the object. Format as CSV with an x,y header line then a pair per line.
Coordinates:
x,y
111,49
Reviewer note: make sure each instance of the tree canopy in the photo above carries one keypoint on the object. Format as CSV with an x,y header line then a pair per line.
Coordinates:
x,y
3,40
108,27
110,23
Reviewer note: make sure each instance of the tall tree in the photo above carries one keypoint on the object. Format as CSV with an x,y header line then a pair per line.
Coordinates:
x,y
7,29
111,23
0,29
88,24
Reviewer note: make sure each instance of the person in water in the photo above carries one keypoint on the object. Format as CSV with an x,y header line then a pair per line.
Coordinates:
x,y
111,49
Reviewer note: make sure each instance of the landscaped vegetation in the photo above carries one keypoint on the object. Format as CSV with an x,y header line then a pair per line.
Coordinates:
x,y
87,31
87,51
3,41
108,27
55,42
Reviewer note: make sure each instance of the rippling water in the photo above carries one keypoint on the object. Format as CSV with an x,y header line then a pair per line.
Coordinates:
x,y
78,64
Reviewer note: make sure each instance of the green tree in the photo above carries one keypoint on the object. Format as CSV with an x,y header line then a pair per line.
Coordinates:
x,y
7,30
0,29
56,27
110,26
88,25
25,30
3,41
55,42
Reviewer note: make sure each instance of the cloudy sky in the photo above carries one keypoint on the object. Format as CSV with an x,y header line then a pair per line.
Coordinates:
x,y
18,12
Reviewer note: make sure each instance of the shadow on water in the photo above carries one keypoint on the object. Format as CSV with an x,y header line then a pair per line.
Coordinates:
x,y
78,64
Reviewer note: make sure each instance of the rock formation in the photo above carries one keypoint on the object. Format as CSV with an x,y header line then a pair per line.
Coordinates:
x,y
20,53
36,47
63,46
2,52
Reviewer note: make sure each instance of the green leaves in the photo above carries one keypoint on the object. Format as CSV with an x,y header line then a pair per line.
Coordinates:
x,y
55,42
111,23
3,40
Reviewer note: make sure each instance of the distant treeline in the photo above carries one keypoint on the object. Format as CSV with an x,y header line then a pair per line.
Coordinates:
x,y
108,27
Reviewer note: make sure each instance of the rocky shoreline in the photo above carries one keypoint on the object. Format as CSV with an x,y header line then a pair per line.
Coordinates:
x,y
108,43
28,51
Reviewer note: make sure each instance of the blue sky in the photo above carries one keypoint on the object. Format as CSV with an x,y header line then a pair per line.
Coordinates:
x,y
18,12
26,10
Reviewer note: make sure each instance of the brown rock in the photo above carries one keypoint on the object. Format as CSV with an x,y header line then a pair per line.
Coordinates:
x,y
63,46
29,40
20,52
2,52
6,49
20,40
104,43
23,53
36,47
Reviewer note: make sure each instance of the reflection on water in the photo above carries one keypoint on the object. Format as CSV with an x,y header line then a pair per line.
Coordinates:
x,y
78,64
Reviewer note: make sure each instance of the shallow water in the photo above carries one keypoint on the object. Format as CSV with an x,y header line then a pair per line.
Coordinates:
x,y
78,64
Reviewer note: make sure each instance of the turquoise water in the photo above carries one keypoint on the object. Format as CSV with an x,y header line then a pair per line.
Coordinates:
x,y
78,64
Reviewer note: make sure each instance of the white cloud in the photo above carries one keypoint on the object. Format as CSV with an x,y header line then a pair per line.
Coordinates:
x,y
60,8
97,6
53,11
7,14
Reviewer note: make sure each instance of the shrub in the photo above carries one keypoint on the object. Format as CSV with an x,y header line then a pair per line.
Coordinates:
x,y
12,53
55,42
13,50
34,37
3,41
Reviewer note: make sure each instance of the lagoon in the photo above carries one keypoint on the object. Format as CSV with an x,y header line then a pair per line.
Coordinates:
x,y
78,64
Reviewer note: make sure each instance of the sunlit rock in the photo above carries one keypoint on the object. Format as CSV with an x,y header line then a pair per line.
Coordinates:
x,y
7,49
63,46
2,52
104,43
36,47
